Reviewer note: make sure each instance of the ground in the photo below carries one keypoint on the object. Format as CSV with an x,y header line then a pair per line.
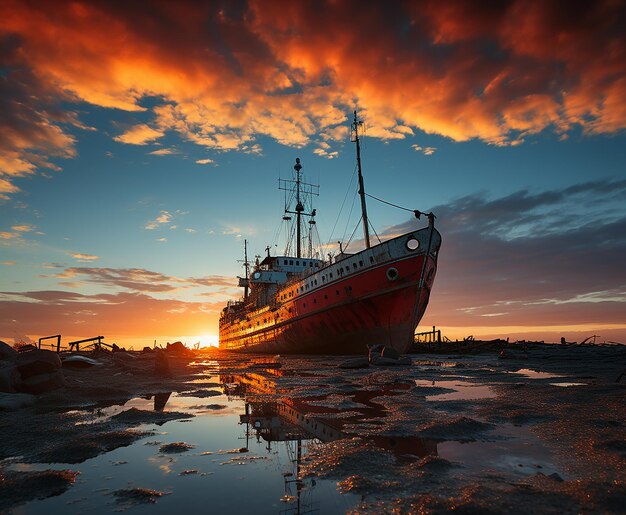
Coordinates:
x,y
540,428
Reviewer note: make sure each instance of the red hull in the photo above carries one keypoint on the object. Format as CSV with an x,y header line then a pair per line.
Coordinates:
x,y
364,308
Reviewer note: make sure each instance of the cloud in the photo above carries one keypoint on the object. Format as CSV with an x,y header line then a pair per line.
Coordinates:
x,y
231,73
163,152
206,161
17,231
83,257
164,217
141,280
325,153
139,135
129,314
33,131
8,263
427,151
531,259
161,240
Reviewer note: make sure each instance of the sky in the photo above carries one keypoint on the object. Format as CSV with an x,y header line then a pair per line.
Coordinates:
x,y
141,143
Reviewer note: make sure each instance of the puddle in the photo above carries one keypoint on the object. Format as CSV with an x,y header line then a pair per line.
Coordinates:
x,y
535,374
245,457
565,385
462,390
512,450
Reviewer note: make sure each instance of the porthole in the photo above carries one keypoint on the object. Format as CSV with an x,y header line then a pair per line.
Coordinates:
x,y
392,273
412,244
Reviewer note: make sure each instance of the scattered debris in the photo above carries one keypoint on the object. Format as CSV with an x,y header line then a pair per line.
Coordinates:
x,y
175,447
19,487
134,496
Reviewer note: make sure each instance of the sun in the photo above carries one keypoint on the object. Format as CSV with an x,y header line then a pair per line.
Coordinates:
x,y
207,340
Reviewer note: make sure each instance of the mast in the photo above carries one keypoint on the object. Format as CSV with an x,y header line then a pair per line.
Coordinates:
x,y
299,208
355,132
302,191
246,265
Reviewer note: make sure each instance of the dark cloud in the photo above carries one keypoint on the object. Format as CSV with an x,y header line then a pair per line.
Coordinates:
x,y
564,266
142,280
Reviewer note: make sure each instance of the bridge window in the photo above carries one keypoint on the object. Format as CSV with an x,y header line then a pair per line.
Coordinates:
x,y
297,263
284,261
361,263
311,263
371,259
354,265
291,261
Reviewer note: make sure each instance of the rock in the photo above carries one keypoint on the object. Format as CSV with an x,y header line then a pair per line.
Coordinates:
x,y
161,364
27,348
42,383
391,353
176,447
355,363
388,362
9,377
14,401
7,353
177,348
122,355
35,362
375,351
147,350
78,361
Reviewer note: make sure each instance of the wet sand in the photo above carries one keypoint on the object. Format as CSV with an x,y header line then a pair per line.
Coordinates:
x,y
541,429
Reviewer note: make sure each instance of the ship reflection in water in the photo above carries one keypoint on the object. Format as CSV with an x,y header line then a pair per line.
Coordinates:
x,y
271,417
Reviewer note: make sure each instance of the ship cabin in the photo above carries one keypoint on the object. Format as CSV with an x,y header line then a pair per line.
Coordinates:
x,y
279,269
274,271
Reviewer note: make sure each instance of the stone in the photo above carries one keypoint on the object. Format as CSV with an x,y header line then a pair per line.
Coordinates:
x,y
14,401
9,376
177,348
36,362
77,361
375,351
391,353
7,353
362,362
161,364
42,383
389,362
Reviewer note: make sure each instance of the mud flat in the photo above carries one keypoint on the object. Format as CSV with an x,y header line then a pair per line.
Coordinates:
x,y
539,429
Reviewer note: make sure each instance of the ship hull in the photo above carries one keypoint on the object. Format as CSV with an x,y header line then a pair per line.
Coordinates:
x,y
378,304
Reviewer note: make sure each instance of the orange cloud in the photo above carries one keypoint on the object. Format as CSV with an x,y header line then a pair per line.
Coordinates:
x,y
140,135
229,73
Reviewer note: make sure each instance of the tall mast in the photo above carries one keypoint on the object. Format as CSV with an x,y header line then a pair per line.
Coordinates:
x,y
302,191
355,131
299,207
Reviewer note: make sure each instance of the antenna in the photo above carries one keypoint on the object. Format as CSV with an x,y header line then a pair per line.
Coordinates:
x,y
302,190
245,281
356,124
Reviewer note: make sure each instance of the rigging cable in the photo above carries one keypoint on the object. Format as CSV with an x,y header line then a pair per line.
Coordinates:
x,y
330,239
373,229
416,212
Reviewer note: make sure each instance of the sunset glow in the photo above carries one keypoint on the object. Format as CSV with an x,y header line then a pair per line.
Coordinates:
x,y
141,145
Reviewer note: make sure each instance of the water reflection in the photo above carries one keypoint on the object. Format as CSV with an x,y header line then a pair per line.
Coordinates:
x,y
273,417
